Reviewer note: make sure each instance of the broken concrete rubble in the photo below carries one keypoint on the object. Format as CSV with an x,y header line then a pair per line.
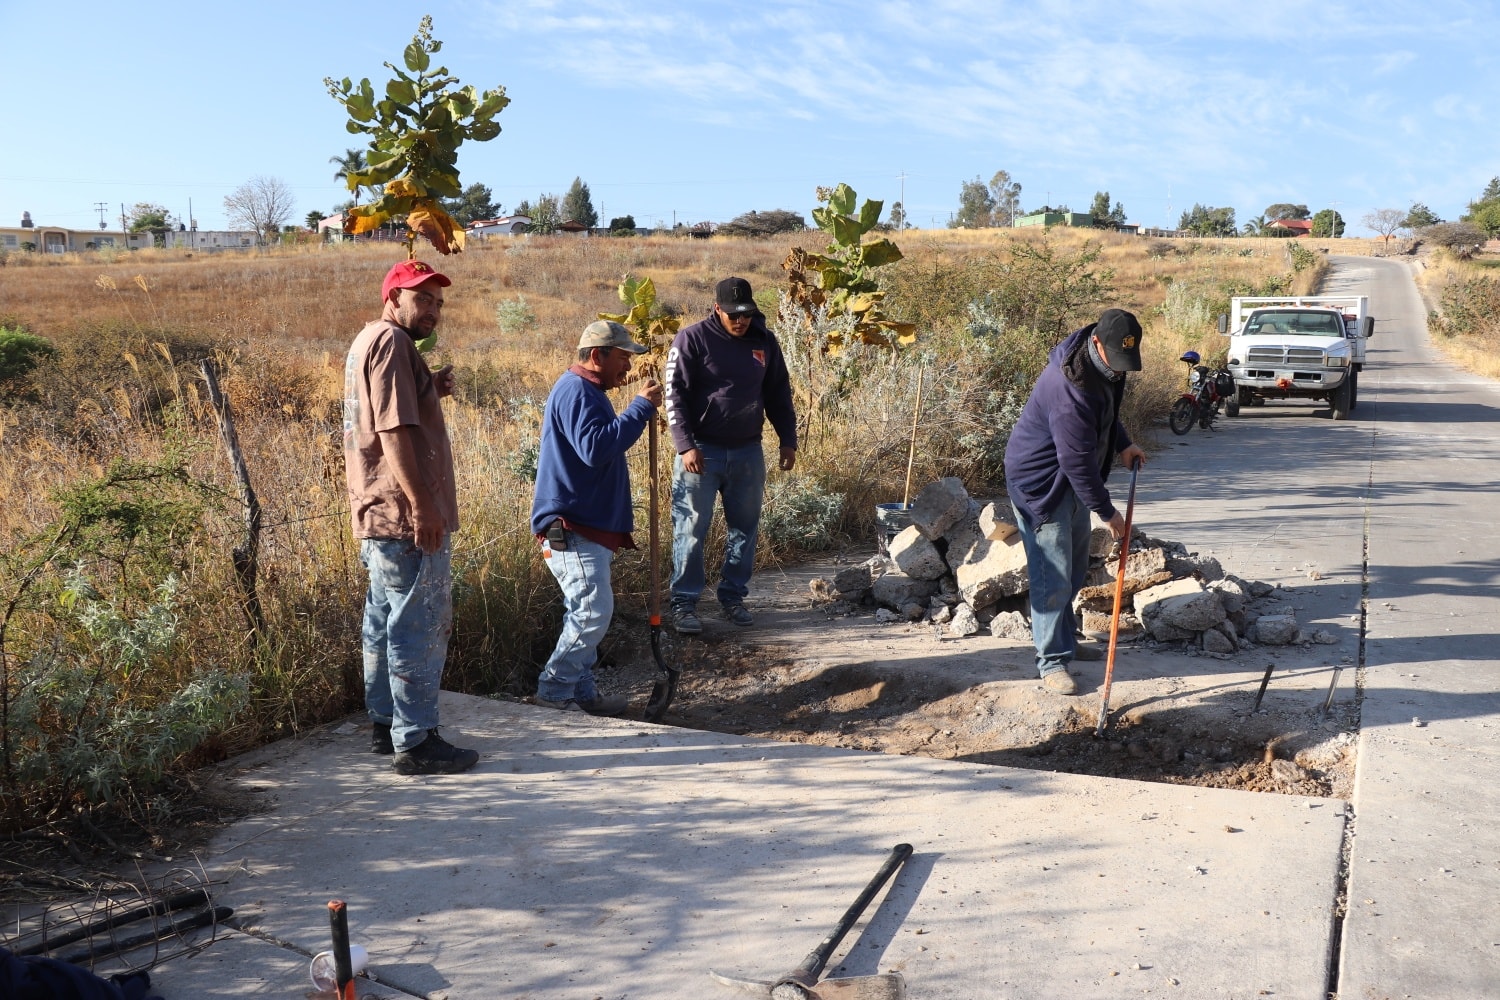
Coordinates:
x,y
962,561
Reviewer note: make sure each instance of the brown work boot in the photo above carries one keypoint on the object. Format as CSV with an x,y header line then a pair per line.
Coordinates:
x,y
1060,682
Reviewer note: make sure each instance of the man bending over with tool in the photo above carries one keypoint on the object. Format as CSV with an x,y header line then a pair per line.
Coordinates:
x,y
581,512
1056,462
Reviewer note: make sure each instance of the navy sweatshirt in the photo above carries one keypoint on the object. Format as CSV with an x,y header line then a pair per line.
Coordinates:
x,y
1068,434
721,389
581,473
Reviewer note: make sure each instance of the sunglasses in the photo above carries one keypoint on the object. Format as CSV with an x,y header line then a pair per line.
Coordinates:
x,y
736,317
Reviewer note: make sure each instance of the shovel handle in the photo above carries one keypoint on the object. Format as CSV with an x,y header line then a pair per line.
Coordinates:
x,y
806,974
1114,621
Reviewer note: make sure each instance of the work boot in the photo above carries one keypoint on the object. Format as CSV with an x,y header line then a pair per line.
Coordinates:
x,y
738,614
603,704
1060,682
380,739
434,755
685,621
1087,652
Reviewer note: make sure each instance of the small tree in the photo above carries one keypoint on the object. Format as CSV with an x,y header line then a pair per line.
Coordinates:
x,y
897,216
264,204
976,206
1105,217
1462,239
1205,221
1386,222
313,218
578,206
622,224
1006,193
352,162
415,132
1328,224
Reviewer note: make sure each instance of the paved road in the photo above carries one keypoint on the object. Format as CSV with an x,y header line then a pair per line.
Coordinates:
x,y
1387,518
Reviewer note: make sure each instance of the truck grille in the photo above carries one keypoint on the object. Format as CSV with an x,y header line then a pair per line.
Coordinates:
x,y
1293,356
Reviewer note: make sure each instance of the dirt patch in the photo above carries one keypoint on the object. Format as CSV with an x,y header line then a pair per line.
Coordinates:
x,y
804,674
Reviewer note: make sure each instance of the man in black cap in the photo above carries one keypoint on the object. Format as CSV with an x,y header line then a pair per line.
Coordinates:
x,y
1058,457
725,377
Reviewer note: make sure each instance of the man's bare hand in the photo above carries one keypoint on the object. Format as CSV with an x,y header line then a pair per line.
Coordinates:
x,y
1132,457
427,526
692,461
651,393
788,459
443,380
1117,526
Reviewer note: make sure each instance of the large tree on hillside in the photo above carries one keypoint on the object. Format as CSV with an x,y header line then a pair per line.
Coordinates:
x,y
1419,215
976,206
543,213
1202,220
1328,223
477,203
577,206
752,223
1285,210
263,204
1103,215
1006,192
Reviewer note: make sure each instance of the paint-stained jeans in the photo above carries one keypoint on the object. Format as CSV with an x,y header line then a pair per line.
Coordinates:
x,y
1057,562
408,619
738,476
583,572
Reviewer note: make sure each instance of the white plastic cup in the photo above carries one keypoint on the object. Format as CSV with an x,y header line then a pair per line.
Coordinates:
x,y
325,976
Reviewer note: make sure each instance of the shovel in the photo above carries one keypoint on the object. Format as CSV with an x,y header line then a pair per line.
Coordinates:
x,y
1114,621
666,675
802,982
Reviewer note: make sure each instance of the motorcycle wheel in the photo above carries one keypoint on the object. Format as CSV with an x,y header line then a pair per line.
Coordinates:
x,y
1184,414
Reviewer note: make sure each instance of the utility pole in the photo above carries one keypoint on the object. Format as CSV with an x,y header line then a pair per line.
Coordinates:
x,y
100,206
902,177
122,223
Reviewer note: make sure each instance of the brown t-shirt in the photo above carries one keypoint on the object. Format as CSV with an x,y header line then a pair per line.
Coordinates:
x,y
387,384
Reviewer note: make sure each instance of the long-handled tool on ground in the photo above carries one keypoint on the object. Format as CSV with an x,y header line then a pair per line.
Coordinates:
x,y
666,674
802,982
1114,621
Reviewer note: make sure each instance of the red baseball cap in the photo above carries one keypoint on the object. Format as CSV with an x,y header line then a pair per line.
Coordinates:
x,y
410,274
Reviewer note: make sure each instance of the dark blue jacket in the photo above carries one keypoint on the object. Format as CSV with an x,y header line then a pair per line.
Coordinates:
x,y
1068,434
34,978
581,472
721,389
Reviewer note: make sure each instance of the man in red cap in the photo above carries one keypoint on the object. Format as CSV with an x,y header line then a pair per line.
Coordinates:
x,y
401,494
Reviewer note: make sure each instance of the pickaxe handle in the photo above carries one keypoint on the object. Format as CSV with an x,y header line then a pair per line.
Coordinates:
x,y
806,974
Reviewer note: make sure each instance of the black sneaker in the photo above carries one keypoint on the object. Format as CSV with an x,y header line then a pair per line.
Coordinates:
x,y
604,704
380,739
434,755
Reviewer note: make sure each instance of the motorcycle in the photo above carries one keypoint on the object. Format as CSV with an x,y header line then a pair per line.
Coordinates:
x,y
1208,389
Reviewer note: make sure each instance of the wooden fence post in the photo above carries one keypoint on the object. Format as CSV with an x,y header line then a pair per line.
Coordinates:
x,y
246,555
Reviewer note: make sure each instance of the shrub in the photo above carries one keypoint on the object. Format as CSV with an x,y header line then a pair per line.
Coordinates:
x,y
20,355
1470,308
514,315
799,513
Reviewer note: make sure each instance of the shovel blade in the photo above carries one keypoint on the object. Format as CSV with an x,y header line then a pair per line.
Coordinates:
x,y
886,986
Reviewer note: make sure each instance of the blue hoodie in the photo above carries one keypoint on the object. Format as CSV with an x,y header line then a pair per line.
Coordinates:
x,y
581,472
1068,434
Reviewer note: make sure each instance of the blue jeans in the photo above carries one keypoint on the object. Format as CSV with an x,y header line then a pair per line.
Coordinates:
x,y
582,571
408,619
1057,562
738,476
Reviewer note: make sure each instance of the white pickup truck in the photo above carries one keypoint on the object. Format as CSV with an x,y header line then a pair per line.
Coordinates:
x,y
1297,347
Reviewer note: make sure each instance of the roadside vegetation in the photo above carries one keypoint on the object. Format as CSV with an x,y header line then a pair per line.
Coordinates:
x,y
129,651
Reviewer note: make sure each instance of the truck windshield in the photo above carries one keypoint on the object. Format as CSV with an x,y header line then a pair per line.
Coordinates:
x,y
1296,323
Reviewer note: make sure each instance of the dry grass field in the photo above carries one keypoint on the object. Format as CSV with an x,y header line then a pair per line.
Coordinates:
x,y
86,542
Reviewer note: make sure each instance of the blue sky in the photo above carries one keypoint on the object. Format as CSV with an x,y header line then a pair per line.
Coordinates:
x,y
693,111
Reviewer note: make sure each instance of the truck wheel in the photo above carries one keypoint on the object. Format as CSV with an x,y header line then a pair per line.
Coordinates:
x,y
1353,389
1244,397
1183,415
1231,407
1339,399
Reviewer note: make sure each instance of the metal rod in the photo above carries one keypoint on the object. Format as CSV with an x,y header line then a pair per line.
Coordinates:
x,y
1263,682
911,454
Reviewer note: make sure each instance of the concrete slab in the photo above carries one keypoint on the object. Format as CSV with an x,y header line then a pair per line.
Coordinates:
x,y
602,858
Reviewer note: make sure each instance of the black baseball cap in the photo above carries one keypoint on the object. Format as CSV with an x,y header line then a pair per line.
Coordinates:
x,y
1120,334
733,296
